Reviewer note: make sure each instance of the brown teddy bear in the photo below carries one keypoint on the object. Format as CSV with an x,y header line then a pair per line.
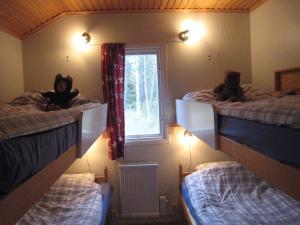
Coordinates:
x,y
230,89
62,96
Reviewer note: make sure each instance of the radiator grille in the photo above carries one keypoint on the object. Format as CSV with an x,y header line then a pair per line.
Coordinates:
x,y
139,190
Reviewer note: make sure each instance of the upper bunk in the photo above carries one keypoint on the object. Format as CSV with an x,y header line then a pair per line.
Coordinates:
x,y
36,147
262,133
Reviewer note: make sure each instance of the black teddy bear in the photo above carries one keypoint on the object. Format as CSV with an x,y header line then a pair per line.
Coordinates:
x,y
62,96
230,89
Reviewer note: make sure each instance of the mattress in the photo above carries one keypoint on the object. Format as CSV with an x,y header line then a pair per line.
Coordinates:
x,y
191,218
21,157
227,194
73,199
279,143
106,191
188,204
257,106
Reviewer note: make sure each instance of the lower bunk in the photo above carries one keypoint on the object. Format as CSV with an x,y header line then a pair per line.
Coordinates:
x,y
31,161
227,193
73,199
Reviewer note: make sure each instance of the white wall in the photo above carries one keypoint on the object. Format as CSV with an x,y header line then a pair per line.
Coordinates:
x,y
11,67
169,156
275,40
227,40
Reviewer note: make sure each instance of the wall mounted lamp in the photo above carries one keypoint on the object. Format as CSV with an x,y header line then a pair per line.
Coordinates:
x,y
188,135
183,36
86,38
82,42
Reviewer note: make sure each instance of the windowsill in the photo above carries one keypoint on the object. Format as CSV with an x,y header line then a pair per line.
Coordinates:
x,y
146,142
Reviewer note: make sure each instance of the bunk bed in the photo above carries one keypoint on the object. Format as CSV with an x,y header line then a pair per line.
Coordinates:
x,y
227,193
271,151
73,199
36,147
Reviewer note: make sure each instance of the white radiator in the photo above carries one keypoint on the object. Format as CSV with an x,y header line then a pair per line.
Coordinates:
x,y
139,190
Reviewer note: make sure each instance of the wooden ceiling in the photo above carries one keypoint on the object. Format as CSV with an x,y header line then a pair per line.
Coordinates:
x,y
23,17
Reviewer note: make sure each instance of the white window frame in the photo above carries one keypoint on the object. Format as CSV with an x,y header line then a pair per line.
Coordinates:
x,y
159,51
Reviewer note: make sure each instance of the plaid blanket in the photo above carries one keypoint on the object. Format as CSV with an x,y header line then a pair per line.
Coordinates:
x,y
25,115
225,193
258,106
73,199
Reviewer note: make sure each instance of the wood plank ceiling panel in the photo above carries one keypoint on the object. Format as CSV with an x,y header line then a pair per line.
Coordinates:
x,y
23,17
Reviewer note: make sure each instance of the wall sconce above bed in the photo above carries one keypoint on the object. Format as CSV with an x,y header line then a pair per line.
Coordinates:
x,y
191,32
86,38
82,42
183,36
188,136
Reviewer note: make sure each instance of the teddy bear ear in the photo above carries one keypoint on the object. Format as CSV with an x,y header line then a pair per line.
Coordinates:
x,y
237,74
58,77
69,81
69,78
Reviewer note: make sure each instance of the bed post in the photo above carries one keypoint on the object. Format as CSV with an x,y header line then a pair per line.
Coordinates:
x,y
180,176
104,178
105,175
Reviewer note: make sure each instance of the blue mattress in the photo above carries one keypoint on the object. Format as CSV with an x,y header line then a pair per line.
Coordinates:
x,y
106,191
22,157
279,143
186,198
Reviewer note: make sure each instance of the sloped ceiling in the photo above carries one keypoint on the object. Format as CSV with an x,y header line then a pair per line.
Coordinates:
x,y
24,17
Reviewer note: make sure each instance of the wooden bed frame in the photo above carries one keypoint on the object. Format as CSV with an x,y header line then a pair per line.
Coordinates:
x,y
287,79
92,123
285,177
181,176
102,179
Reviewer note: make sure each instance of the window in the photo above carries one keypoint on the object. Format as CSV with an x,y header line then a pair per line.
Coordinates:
x,y
142,94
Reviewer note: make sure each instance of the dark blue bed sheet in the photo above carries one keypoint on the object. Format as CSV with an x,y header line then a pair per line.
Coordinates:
x,y
186,198
21,157
279,143
106,191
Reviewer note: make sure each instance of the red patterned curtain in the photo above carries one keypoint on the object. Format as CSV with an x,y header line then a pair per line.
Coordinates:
x,y
112,64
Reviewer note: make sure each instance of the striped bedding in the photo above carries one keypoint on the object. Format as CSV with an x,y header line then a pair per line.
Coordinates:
x,y
225,193
26,115
73,199
258,106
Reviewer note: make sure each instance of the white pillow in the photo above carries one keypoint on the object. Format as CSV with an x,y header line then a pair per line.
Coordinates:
x,y
81,177
223,164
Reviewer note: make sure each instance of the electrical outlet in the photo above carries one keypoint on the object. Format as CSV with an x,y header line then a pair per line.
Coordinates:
x,y
174,209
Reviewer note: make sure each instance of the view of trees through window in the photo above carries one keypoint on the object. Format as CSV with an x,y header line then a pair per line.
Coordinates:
x,y
141,97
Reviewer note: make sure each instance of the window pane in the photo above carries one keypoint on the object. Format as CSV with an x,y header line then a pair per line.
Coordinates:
x,y
141,95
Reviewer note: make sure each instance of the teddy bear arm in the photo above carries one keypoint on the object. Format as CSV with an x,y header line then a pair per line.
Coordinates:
x,y
219,88
48,94
240,92
74,93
